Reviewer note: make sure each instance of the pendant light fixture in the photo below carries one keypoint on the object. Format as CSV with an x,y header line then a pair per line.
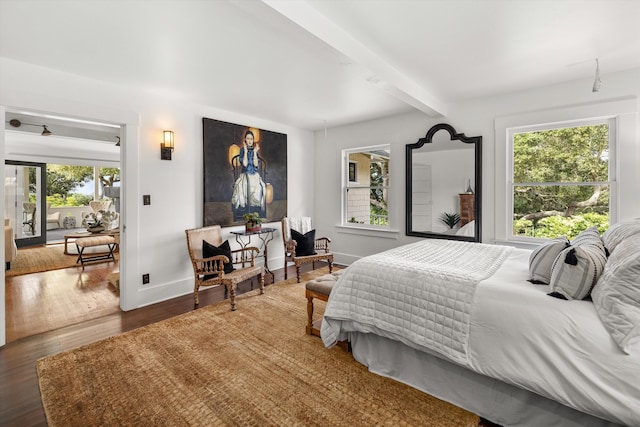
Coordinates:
x,y
597,82
45,132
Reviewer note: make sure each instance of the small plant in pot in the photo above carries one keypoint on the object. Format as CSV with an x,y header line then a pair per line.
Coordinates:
x,y
252,221
94,223
450,218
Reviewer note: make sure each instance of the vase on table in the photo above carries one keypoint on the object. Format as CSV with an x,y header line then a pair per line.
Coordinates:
x,y
95,230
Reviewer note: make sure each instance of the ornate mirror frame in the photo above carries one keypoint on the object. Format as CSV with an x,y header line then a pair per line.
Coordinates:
x,y
477,141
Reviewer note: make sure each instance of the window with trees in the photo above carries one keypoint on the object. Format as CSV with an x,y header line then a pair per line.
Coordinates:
x,y
64,183
561,179
366,186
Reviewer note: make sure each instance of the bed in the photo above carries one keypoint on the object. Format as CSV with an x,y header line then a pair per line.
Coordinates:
x,y
463,322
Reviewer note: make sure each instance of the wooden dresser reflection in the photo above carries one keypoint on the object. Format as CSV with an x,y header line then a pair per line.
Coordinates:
x,y
467,208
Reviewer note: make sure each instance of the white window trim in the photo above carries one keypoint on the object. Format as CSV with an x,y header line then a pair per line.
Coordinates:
x,y
364,229
622,111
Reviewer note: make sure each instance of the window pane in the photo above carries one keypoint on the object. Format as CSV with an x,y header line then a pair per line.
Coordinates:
x,y
577,154
366,205
367,184
552,211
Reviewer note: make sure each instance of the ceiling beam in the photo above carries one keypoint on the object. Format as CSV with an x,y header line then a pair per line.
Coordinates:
x,y
385,76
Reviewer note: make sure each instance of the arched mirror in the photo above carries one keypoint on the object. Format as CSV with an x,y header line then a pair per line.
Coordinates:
x,y
443,184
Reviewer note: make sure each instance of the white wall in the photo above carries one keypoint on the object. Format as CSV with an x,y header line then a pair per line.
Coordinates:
x,y
154,241
474,117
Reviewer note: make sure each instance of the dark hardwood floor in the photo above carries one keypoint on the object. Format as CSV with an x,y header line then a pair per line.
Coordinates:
x,y
20,403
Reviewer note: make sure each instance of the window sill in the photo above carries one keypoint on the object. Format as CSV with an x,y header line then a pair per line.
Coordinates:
x,y
386,233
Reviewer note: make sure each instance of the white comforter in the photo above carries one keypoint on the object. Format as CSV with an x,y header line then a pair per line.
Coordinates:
x,y
518,334
420,294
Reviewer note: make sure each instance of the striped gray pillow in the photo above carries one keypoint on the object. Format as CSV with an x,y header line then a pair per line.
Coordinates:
x,y
590,236
576,271
541,260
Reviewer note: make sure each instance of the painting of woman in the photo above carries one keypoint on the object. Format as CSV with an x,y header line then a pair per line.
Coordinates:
x,y
249,190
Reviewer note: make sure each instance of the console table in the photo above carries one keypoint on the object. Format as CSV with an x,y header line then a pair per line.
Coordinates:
x,y
265,235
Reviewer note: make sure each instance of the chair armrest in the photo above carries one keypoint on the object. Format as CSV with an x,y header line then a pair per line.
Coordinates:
x,y
210,266
290,247
322,243
245,255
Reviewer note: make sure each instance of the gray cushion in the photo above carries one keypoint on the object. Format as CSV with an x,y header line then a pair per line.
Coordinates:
x,y
576,270
542,258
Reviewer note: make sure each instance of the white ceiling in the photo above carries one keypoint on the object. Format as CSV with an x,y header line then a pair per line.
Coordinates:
x,y
310,62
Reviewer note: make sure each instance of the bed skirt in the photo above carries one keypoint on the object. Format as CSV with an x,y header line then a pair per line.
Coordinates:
x,y
489,398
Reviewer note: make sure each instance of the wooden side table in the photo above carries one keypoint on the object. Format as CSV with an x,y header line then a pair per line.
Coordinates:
x,y
265,234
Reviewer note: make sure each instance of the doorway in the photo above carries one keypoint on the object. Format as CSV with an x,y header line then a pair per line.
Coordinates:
x,y
68,142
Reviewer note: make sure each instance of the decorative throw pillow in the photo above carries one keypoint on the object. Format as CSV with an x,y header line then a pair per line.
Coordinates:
x,y
616,296
590,236
576,270
209,250
542,258
305,243
619,232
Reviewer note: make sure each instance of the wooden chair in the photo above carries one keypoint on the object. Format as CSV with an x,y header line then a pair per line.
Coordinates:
x,y
321,245
213,267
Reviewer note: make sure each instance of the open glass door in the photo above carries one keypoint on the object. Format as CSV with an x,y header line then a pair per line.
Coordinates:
x,y
25,201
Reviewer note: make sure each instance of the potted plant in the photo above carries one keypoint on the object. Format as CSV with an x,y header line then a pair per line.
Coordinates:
x,y
94,223
451,219
252,221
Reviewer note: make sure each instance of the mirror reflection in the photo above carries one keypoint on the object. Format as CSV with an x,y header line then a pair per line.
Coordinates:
x,y
443,173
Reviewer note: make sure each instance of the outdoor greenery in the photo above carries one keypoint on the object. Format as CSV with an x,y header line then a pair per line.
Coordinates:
x,y
564,160
379,210
63,179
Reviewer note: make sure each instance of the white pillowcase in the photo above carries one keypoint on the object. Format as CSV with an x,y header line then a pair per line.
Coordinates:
x,y
616,296
542,258
618,232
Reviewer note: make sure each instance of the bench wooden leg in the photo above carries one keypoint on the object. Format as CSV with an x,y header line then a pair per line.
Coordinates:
x,y
309,314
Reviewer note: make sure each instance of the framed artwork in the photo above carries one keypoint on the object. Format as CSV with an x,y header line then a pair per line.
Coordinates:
x,y
245,171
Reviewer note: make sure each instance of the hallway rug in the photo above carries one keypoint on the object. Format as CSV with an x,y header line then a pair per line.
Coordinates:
x,y
42,258
214,367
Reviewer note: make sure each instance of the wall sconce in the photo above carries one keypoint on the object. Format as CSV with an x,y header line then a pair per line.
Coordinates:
x,y
166,147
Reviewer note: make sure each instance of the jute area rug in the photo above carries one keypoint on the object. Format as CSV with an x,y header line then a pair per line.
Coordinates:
x,y
41,258
214,367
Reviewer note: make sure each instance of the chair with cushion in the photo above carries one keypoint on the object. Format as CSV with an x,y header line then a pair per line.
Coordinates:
x,y
301,245
53,219
215,264
29,216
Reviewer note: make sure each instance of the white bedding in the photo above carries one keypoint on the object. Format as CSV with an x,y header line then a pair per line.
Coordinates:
x,y
556,348
420,294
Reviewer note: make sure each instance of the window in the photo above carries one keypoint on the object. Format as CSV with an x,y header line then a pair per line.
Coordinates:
x,y
561,178
366,186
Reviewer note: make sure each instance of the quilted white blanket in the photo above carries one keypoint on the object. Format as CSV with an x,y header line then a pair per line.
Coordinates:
x,y
419,293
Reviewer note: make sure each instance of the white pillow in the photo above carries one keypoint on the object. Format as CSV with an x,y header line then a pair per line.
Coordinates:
x,y
616,296
576,271
618,232
542,258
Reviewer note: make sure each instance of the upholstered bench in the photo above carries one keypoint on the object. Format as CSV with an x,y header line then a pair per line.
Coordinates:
x,y
319,288
88,242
